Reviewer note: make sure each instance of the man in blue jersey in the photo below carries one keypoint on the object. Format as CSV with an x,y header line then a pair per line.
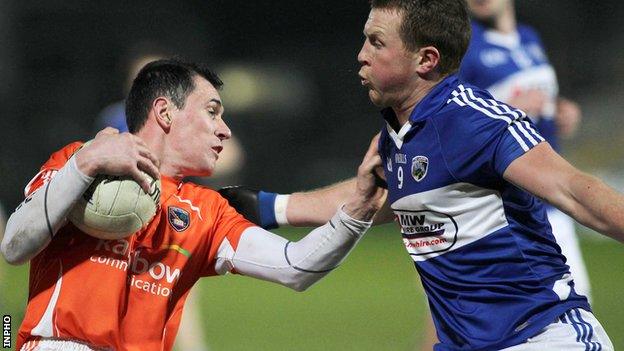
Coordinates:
x,y
508,60
456,162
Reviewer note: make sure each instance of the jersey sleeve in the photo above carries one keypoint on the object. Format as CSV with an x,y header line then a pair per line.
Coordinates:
x,y
227,229
49,169
520,137
483,136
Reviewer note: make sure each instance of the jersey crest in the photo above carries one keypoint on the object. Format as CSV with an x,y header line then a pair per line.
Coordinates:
x,y
178,218
420,165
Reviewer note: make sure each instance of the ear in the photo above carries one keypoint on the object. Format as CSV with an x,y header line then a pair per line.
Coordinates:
x,y
163,112
428,58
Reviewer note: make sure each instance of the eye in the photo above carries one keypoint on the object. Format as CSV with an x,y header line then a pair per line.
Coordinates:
x,y
212,112
375,42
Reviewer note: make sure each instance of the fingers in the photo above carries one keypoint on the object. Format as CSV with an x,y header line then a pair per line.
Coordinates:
x,y
373,146
107,130
141,179
147,165
371,158
145,152
115,153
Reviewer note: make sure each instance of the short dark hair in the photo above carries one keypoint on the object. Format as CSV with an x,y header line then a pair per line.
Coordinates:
x,y
172,78
443,24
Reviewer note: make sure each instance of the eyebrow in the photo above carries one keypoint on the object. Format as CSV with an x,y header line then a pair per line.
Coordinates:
x,y
373,33
217,101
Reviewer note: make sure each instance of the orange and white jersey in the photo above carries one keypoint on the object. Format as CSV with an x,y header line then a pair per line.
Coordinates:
x,y
126,294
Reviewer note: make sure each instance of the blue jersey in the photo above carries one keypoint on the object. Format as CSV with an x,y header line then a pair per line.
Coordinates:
x,y
508,64
490,266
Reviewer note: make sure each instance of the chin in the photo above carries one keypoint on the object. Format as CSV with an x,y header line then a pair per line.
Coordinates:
x,y
376,99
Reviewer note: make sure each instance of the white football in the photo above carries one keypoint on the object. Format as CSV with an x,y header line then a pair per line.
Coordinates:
x,y
115,207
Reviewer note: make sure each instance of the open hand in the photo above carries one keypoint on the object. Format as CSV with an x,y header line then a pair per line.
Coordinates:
x,y
368,196
118,154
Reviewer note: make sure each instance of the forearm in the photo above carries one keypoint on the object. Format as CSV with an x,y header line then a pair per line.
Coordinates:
x,y
596,205
300,264
33,224
316,207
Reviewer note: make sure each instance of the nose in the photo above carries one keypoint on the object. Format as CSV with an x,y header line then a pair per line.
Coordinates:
x,y
223,132
362,56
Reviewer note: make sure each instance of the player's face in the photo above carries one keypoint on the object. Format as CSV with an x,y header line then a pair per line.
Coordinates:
x,y
487,9
388,68
198,130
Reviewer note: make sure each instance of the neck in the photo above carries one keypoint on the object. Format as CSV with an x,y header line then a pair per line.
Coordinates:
x,y
505,22
404,109
157,144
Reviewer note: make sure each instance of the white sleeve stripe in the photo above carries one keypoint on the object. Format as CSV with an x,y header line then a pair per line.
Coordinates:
x,y
493,104
524,146
515,112
490,110
529,127
483,110
501,109
457,101
521,128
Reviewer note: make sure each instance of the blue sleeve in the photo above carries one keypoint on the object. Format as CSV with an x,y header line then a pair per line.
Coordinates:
x,y
530,34
481,137
520,137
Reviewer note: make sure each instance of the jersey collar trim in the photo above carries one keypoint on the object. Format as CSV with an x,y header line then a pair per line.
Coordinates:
x,y
398,137
170,186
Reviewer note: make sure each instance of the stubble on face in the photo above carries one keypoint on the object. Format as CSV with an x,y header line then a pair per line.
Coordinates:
x,y
195,140
388,68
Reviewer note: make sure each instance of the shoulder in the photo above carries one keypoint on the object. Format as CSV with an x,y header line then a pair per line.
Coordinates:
x,y
477,31
56,161
528,33
66,152
471,63
471,107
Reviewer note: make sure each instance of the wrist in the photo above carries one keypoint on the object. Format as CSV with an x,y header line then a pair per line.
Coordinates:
x,y
266,209
361,208
281,203
272,209
84,163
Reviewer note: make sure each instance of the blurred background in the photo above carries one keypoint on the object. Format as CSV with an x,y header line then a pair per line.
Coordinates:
x,y
293,99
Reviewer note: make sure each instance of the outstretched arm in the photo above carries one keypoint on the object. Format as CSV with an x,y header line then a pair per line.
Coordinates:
x,y
298,265
304,209
33,224
584,197
300,209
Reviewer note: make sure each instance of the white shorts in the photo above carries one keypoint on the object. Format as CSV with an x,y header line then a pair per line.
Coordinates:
x,y
574,330
563,230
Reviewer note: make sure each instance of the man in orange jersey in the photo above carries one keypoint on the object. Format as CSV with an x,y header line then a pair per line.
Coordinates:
x,y
91,294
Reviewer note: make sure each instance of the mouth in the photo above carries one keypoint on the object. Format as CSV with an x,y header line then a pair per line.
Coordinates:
x,y
217,149
363,81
